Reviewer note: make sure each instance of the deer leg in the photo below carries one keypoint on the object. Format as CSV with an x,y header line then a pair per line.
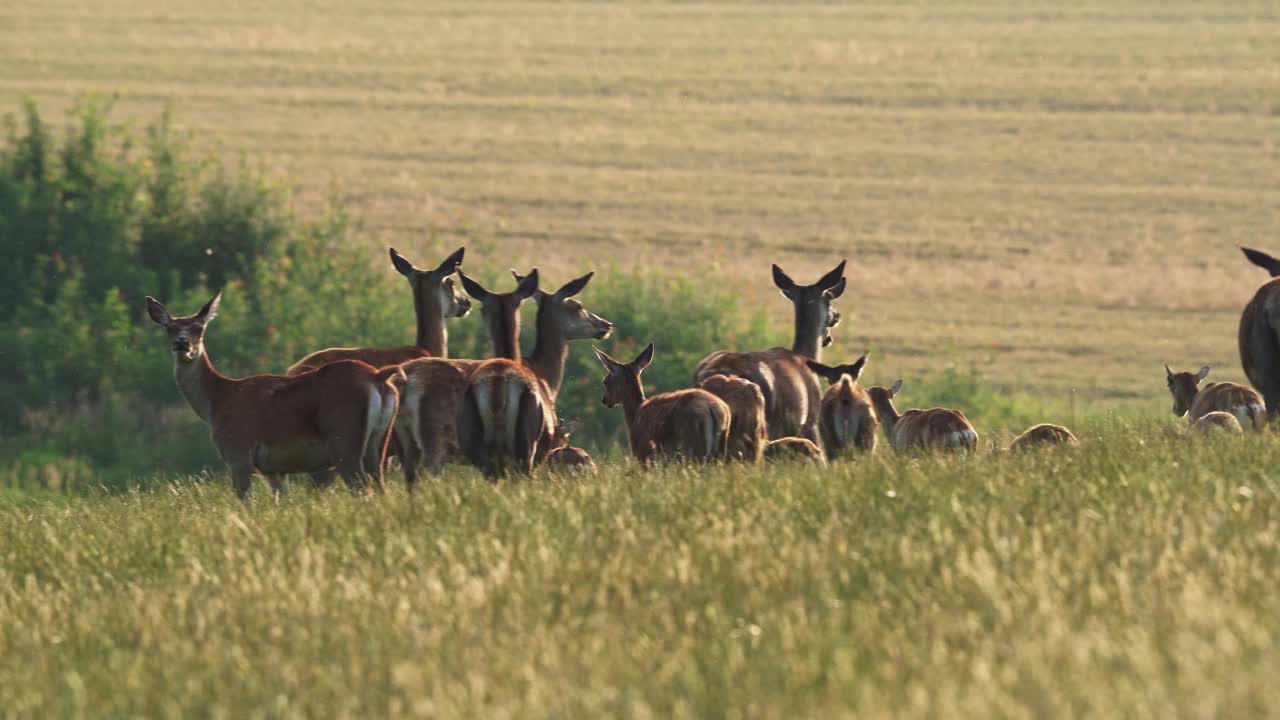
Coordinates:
x,y
242,480
278,485
322,479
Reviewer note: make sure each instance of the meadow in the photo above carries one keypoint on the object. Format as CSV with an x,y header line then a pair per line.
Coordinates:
x,y
1040,205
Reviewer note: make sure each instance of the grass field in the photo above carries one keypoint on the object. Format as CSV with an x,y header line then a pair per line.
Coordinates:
x,y
1133,578
1049,194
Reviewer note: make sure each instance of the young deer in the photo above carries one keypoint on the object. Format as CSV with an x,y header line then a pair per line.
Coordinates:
x,y
693,424
794,448
427,428
1043,435
792,396
1194,401
507,417
435,300
748,428
564,459
1216,421
848,421
932,429
336,416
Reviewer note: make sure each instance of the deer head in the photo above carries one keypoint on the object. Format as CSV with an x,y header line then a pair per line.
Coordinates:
x,y
186,334
433,290
501,311
813,312
882,399
571,319
1184,386
622,384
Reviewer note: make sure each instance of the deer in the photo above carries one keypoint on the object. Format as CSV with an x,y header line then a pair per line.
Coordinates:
x,y
1262,260
507,418
789,449
564,459
848,421
792,396
1216,421
435,300
748,426
1259,340
337,416
1194,401
692,423
1043,435
932,429
427,428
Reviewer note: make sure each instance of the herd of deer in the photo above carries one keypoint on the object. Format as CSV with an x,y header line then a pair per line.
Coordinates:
x,y
348,409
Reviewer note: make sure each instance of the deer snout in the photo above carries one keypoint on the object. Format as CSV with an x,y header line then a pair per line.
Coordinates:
x,y
182,345
606,329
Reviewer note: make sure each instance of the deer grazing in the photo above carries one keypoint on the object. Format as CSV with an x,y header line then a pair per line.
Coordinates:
x,y
1043,435
794,448
564,459
336,416
1216,421
426,430
1194,401
507,420
693,424
848,422
932,429
748,427
791,393
435,300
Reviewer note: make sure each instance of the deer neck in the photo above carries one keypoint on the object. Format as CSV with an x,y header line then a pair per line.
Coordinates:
x,y
550,351
631,403
432,333
504,332
199,383
810,326
889,417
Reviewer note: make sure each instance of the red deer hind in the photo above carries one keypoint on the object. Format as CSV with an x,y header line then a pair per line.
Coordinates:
x,y
507,419
848,423
791,393
693,424
748,427
932,429
1195,402
336,416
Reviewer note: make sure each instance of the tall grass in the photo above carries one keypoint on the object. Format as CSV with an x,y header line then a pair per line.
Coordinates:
x,y
1133,577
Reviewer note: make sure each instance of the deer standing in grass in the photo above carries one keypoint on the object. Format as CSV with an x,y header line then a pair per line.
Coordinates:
x,y
748,427
1195,402
507,419
693,424
435,300
932,429
848,422
792,395
338,415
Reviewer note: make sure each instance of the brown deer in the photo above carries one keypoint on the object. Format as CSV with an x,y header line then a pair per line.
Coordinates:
x,y
435,300
336,416
789,449
1194,401
427,428
848,421
508,415
792,396
748,428
1262,260
693,424
1216,421
1043,435
1260,343
932,429
564,459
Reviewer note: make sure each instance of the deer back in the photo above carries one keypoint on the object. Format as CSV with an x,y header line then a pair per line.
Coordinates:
x,y
791,392
1243,402
692,423
748,427
848,422
935,428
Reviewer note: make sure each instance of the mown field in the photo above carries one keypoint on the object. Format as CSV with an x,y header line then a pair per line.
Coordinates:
x,y
1133,578
1050,194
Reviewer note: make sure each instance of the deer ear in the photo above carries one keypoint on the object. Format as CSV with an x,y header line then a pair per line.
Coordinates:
x,y
451,263
819,369
528,286
210,309
836,290
828,281
784,282
158,312
473,288
609,363
569,427
1204,372
855,370
402,266
1168,372
643,359
895,388
573,287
